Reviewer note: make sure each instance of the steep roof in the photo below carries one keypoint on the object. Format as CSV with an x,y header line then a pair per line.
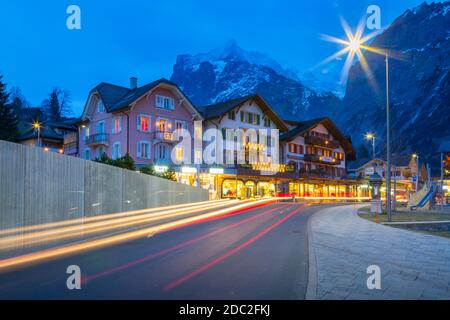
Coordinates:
x,y
304,126
110,93
219,109
46,131
398,160
115,97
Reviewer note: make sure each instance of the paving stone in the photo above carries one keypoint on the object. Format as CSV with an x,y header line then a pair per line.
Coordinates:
x,y
413,265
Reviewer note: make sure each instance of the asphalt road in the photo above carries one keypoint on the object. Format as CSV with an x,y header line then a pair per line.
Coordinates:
x,y
257,254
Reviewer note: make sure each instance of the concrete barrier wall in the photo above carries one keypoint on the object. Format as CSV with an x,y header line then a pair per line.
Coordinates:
x,y
39,187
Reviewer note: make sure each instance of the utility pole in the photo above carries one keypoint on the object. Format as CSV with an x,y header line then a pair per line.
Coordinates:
x,y
388,144
442,180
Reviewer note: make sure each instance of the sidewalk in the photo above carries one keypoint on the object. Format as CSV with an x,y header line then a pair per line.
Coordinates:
x,y
413,265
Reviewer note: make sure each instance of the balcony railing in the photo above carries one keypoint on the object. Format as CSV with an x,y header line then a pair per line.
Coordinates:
x,y
322,142
318,174
164,136
97,139
321,159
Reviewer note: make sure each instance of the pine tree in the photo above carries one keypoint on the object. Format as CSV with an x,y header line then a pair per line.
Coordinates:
x,y
8,118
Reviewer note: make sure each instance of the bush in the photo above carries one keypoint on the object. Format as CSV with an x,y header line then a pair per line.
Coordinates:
x,y
125,162
169,174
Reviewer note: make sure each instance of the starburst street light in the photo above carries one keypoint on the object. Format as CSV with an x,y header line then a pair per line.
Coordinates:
x,y
37,129
353,45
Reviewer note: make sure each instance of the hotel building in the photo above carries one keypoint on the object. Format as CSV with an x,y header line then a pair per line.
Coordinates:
x,y
308,159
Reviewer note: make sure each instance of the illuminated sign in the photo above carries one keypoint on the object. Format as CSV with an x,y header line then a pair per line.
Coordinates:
x,y
188,170
161,169
216,171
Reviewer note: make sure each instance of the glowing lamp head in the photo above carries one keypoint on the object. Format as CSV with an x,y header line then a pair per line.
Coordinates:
x,y
415,155
36,125
354,45
370,136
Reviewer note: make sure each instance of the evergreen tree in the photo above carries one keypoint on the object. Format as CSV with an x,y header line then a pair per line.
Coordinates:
x,y
18,102
8,118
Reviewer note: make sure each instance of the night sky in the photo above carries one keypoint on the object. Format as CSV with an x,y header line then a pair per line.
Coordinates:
x,y
120,39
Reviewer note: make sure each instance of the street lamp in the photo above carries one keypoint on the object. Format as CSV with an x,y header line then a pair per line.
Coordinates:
x,y
37,128
371,137
354,44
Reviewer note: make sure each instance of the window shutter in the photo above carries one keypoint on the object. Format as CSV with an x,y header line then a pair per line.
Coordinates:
x,y
138,149
258,119
138,122
242,116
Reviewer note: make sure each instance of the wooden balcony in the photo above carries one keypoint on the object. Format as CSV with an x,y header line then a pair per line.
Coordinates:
x,y
321,159
321,142
160,136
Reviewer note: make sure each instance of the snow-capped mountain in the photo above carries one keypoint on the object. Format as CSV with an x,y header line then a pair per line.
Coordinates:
x,y
419,84
229,72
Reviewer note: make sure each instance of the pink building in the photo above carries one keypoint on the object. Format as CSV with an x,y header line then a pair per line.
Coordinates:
x,y
138,120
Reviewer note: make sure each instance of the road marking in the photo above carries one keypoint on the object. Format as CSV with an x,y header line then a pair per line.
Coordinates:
x,y
229,253
57,252
180,245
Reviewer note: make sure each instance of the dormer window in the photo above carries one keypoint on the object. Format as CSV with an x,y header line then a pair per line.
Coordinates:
x,y
100,107
164,102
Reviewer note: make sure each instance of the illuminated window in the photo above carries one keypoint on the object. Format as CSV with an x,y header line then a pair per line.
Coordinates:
x,y
86,131
179,154
117,125
143,123
161,125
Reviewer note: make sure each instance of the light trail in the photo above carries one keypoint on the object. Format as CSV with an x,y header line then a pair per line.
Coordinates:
x,y
104,217
95,227
229,253
179,246
40,256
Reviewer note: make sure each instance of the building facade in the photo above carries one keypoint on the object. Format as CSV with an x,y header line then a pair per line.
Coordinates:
x,y
138,121
297,158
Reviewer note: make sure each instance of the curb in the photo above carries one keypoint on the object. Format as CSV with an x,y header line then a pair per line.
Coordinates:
x,y
311,289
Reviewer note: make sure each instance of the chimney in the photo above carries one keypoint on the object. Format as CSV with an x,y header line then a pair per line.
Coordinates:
x,y
133,83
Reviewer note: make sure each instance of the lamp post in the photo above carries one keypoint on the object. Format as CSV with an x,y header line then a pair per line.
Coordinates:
x,y
354,44
37,129
371,137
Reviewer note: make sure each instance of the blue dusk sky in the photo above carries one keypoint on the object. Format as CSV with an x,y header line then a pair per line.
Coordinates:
x,y
119,39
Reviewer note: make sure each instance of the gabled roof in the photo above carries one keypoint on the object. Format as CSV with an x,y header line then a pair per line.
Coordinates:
x,y
304,126
110,94
398,160
219,109
116,97
46,132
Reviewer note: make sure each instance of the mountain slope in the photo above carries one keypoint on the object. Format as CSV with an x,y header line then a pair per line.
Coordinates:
x,y
419,84
230,72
